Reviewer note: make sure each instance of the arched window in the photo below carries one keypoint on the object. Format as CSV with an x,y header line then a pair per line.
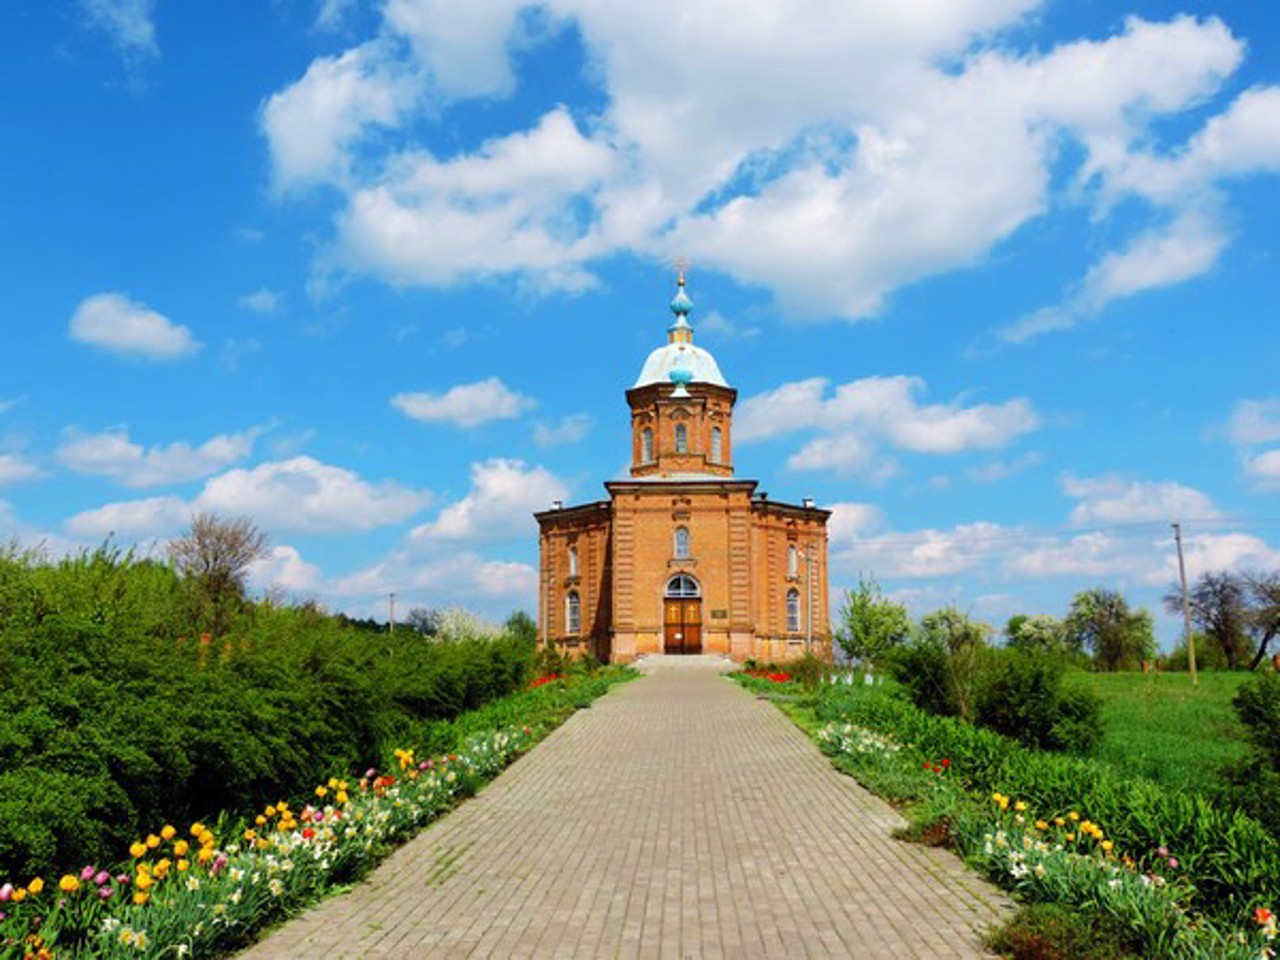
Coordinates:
x,y
573,613
682,543
715,445
683,585
793,610
682,438
793,561
573,561
646,446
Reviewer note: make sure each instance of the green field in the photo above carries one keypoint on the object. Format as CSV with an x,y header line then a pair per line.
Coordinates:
x,y
1160,726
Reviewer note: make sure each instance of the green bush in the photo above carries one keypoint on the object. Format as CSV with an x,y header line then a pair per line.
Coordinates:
x,y
1021,695
1254,783
114,716
1229,859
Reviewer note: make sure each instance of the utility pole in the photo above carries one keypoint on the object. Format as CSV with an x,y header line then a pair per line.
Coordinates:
x,y
808,599
1186,604
391,609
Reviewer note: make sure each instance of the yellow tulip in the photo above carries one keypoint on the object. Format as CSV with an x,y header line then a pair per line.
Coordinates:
x,y
141,898
143,881
197,829
183,865
19,894
167,832
180,848
137,850
35,887
69,884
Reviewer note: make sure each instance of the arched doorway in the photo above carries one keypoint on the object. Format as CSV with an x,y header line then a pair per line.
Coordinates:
x,y
682,615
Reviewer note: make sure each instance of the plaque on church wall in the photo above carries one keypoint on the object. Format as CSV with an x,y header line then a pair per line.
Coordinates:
x,y
719,614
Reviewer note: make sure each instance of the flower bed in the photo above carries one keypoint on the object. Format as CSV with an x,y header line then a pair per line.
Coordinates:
x,y
1185,879
206,890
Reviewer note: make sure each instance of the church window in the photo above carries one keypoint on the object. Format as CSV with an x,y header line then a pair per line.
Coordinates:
x,y
682,438
716,443
793,611
683,585
793,561
682,543
573,561
573,613
646,446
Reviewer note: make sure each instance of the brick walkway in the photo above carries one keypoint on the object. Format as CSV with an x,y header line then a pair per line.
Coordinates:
x,y
678,817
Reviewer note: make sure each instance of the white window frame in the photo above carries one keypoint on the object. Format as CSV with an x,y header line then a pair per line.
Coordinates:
x,y
646,445
573,560
680,543
793,610
573,613
682,438
683,587
717,448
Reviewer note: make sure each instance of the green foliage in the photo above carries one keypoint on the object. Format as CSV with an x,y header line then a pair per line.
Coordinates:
x,y
521,626
1228,859
1038,633
114,717
870,624
940,666
1257,704
1022,696
1100,621
1055,931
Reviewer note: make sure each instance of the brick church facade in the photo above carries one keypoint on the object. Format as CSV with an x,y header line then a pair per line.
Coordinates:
x,y
683,557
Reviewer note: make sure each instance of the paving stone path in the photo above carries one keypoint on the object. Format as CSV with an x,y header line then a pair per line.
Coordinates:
x,y
678,817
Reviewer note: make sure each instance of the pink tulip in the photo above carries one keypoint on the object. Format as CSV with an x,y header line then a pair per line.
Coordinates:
x,y
102,877
87,873
6,892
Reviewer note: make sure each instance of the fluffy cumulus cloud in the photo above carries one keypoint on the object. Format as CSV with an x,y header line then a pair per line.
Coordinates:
x,y
120,325
466,405
285,569
1252,427
858,420
1113,500
500,505
262,301
113,454
304,494
299,494
834,168
152,516
1264,469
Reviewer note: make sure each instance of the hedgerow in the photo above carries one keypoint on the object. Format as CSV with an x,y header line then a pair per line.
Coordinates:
x,y
115,713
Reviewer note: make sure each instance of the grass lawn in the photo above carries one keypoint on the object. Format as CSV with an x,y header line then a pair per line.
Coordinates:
x,y
1159,726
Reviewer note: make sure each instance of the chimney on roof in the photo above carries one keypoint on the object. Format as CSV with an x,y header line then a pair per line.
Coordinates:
x,y
557,504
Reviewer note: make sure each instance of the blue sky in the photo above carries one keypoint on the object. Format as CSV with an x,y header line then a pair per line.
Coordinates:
x,y
997,284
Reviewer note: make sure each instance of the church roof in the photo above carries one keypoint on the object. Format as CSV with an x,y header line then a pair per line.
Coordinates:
x,y
679,361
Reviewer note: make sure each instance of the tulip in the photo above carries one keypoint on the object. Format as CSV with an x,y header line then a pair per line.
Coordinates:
x,y
101,878
6,893
87,873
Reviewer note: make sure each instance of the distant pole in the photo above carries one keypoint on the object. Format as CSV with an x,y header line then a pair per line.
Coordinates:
x,y
391,609
1186,604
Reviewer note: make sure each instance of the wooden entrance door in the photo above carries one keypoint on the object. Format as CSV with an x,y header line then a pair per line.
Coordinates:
x,y
683,626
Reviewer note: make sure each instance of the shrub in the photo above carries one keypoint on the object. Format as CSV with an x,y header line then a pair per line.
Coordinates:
x,y
1021,695
1257,703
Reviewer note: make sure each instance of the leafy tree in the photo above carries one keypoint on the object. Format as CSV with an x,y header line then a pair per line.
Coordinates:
x,y
1021,694
1039,633
1263,621
1100,621
424,620
214,556
939,667
521,626
1219,605
870,623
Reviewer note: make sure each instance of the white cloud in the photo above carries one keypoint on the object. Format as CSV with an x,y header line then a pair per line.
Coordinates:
x,y
112,454
126,327
9,403
132,518
919,553
262,301
285,569
15,468
466,405
331,13
312,124
306,495
129,23
1255,421
442,580
844,453
996,470
826,166
570,429
500,505
1264,469
716,325
1113,500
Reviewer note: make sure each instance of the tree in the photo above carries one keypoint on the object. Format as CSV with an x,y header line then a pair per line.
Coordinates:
x,y
870,623
1100,620
424,620
946,656
522,626
1263,618
214,556
1219,605
1039,633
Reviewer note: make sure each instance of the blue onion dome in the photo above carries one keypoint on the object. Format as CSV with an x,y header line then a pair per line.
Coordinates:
x,y
681,305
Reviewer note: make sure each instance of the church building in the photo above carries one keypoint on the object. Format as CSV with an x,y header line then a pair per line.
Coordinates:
x,y
683,557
